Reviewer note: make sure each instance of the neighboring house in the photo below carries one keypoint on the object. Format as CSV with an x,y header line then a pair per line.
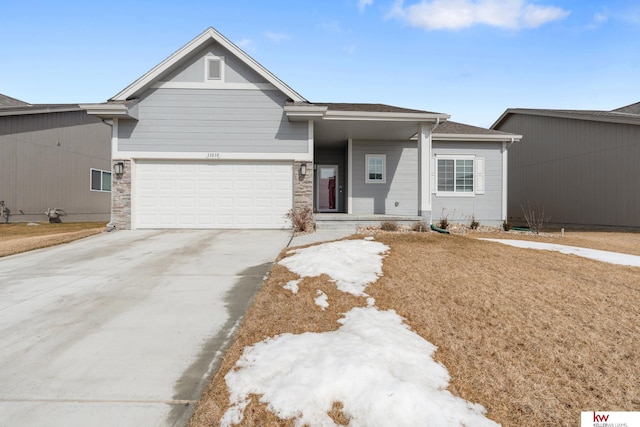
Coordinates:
x,y
579,166
53,157
209,138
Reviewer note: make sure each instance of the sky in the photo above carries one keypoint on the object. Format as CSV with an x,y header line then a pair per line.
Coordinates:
x,y
471,59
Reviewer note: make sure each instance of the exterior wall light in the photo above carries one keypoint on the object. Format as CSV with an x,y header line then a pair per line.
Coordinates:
x,y
303,169
118,168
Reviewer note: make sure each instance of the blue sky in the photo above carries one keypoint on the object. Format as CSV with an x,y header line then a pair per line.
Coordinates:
x,y
468,58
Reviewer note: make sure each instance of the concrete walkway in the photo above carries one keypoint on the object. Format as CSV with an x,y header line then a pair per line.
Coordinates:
x,y
320,236
125,328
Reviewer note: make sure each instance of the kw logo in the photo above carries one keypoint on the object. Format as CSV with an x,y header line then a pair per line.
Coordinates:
x,y
600,418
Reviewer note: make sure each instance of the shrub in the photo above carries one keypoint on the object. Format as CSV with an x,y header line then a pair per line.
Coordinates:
x,y
420,227
389,226
301,218
474,223
444,219
535,217
506,226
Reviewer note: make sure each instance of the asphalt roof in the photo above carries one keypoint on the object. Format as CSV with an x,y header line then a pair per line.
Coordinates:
x,y
456,128
7,101
372,108
629,109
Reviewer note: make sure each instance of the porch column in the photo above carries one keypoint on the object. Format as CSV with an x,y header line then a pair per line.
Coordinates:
x,y
424,172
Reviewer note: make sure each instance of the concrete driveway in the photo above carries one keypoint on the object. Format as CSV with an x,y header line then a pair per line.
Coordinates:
x,y
125,328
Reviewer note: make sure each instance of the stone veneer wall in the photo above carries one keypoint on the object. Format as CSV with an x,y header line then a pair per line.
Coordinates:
x,y
303,187
121,197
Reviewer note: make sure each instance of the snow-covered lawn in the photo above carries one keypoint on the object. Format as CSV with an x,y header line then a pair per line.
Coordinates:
x,y
604,256
382,372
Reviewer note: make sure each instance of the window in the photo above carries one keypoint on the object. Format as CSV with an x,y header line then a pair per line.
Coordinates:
x,y
100,180
214,68
376,166
455,175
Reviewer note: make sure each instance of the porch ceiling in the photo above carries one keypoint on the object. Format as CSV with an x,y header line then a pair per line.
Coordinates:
x,y
338,131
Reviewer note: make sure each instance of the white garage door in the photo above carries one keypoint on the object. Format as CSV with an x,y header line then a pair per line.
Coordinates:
x,y
188,194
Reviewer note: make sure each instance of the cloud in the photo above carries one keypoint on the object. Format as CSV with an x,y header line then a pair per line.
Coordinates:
x,y
276,37
245,44
459,14
362,4
350,49
598,19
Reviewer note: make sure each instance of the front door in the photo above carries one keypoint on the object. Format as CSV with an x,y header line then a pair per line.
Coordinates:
x,y
327,188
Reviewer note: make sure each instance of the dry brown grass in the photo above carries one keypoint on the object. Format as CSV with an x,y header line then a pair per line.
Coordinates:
x,y
534,336
20,237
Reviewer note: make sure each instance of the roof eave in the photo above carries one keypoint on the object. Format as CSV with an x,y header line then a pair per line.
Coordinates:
x,y
112,110
385,116
577,115
475,137
20,111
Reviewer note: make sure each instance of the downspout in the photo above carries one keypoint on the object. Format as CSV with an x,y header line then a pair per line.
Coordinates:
x,y
431,172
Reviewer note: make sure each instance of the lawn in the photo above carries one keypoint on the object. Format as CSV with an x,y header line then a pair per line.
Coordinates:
x,y
535,337
20,237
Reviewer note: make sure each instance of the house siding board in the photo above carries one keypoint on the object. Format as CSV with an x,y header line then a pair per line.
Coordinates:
x,y
486,207
192,70
213,120
36,173
401,182
583,173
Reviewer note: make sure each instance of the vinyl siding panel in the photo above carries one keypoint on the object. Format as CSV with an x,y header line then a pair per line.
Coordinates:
x,y
45,162
583,173
213,120
192,70
401,185
486,207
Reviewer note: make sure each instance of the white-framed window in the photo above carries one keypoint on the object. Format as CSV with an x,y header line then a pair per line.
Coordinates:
x,y
456,175
376,168
214,68
100,180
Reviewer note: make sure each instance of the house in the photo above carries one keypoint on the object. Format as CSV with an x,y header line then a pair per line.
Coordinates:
x,y
53,157
579,166
209,138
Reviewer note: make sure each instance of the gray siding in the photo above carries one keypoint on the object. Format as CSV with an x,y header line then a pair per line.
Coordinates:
x,y
486,207
583,173
193,69
402,179
213,120
45,162
334,156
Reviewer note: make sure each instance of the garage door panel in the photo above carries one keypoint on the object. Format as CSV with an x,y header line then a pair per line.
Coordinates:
x,y
191,194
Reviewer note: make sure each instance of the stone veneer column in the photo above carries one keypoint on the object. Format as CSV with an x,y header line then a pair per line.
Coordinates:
x,y
302,186
121,197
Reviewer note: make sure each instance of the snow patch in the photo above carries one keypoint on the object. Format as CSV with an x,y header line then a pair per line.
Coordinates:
x,y
381,371
604,256
292,285
351,264
322,300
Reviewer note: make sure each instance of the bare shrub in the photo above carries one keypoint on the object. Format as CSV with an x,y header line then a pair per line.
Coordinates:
x,y
444,219
301,219
535,217
474,222
420,227
389,226
505,225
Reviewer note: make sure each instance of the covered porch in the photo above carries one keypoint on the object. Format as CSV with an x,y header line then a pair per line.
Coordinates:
x,y
371,162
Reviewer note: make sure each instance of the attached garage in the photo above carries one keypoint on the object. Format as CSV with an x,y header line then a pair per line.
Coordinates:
x,y
212,194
